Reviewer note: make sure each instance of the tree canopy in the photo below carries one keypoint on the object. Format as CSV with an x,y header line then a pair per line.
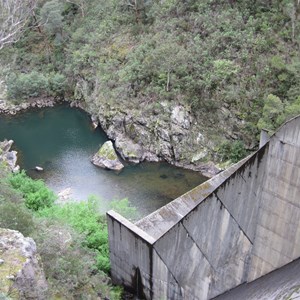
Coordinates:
x,y
14,16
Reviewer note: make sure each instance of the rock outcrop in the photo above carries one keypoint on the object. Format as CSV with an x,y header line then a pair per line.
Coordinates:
x,y
8,157
164,132
107,158
21,272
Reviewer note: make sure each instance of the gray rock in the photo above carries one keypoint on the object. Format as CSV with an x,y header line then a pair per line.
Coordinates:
x,y
129,150
107,158
174,135
39,169
164,134
181,117
65,194
21,273
8,157
6,145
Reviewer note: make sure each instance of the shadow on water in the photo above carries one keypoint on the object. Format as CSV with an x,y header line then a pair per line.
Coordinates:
x,y
62,141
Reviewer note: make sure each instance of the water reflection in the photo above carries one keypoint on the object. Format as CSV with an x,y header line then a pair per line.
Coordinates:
x,y
62,141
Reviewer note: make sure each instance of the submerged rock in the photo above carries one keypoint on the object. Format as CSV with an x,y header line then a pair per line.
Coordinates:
x,y
107,158
21,272
95,122
39,169
65,194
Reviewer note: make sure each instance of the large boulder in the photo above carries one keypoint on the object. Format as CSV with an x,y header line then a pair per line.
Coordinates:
x,y
8,157
21,272
107,158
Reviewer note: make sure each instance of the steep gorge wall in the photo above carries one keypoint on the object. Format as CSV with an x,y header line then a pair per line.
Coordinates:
x,y
236,227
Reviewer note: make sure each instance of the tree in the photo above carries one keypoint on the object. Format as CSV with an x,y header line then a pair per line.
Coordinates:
x,y
14,15
80,4
138,6
51,14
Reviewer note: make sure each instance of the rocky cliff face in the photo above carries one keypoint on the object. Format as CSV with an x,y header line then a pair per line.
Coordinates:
x,y
21,273
8,157
164,131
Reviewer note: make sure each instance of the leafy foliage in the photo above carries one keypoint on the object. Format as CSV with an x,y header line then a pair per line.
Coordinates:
x,y
232,151
84,218
207,54
35,84
37,196
124,208
62,237
13,213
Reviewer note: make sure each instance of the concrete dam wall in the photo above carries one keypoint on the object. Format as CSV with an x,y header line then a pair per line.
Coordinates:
x,y
234,228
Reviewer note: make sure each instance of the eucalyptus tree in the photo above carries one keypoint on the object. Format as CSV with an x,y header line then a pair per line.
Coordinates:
x,y
14,16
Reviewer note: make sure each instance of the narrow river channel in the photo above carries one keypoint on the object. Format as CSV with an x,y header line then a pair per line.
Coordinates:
x,y
62,141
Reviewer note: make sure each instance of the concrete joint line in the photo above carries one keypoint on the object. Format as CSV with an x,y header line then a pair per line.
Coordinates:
x,y
239,226
190,236
166,266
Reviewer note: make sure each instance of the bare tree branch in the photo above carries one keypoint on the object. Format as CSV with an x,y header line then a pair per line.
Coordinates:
x,y
14,15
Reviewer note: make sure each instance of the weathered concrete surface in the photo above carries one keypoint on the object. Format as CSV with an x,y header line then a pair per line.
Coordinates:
x,y
277,238
134,250
235,228
282,284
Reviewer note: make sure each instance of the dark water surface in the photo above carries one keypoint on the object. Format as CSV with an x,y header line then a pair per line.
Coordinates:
x,y
62,141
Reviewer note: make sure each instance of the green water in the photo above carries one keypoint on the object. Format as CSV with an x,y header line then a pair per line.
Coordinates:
x,y
62,141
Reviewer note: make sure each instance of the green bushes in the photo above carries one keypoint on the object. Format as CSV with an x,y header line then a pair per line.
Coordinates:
x,y
71,239
25,86
13,213
232,151
85,218
35,84
37,196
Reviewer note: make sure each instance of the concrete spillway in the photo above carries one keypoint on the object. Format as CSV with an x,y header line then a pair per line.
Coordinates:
x,y
234,228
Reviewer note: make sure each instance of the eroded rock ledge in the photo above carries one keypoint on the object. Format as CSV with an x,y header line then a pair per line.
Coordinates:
x,y
10,108
168,133
21,272
9,158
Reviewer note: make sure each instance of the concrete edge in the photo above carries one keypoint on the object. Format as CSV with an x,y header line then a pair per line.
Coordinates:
x,y
202,191
130,226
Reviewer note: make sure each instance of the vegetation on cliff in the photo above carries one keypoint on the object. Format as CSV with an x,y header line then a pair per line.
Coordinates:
x,y
238,55
71,238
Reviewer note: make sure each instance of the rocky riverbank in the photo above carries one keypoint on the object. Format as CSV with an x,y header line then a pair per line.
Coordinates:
x,y
12,108
7,107
165,132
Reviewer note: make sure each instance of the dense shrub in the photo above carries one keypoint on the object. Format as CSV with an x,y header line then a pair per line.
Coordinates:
x,y
69,267
35,84
209,54
84,217
232,151
35,192
71,240
124,208
24,86
13,213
